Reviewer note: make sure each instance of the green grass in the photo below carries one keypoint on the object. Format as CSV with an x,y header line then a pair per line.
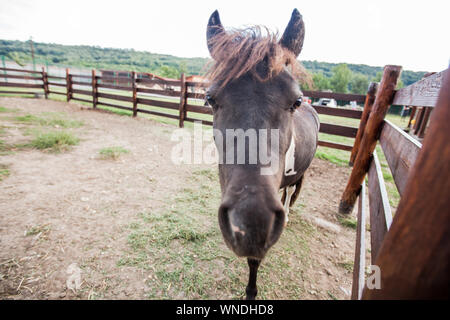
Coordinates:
x,y
348,222
54,141
329,154
7,110
348,265
181,244
4,171
50,119
112,153
37,229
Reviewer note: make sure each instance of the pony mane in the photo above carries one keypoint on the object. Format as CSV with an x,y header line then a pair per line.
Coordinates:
x,y
240,51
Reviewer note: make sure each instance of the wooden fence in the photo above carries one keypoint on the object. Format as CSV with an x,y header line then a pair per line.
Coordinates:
x,y
401,152
149,96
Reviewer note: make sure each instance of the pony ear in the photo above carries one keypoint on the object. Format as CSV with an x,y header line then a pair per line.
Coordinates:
x,y
294,34
213,29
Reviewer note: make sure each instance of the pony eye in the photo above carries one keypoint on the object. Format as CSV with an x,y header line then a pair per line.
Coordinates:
x,y
210,100
296,104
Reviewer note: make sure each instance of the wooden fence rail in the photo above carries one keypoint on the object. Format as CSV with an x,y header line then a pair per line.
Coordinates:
x,y
143,93
401,152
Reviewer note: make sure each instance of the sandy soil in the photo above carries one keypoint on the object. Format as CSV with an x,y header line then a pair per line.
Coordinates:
x,y
60,213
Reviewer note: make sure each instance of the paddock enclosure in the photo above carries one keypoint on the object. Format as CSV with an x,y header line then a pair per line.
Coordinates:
x,y
362,187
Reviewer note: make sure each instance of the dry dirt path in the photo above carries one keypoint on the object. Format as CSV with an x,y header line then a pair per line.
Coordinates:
x,y
75,226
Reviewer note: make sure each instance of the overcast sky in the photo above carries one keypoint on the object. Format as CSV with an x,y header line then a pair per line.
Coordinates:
x,y
414,34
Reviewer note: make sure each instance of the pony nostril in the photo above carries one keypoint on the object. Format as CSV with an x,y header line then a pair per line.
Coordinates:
x,y
224,220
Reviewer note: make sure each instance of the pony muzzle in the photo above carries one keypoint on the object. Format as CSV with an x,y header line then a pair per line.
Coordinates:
x,y
249,231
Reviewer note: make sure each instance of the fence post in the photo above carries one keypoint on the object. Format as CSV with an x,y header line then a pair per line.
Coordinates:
x,y
45,82
424,123
94,89
374,124
370,99
415,254
183,99
419,119
411,117
68,85
134,88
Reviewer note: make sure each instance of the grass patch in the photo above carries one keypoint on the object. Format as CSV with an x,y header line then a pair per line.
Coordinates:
x,y
50,119
55,141
328,154
181,245
7,110
112,153
348,222
37,229
4,171
348,265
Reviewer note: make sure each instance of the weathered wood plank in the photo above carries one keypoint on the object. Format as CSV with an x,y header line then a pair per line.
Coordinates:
x,y
156,113
159,81
21,85
380,210
134,93
335,95
81,83
158,103
401,151
114,97
359,264
338,130
81,99
20,70
14,76
56,92
423,93
85,92
339,112
368,104
112,105
57,84
195,95
81,76
414,260
18,92
198,109
170,93
56,77
111,86
424,123
381,104
334,145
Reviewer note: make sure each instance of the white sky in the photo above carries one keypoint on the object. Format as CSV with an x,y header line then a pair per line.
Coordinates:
x,y
414,34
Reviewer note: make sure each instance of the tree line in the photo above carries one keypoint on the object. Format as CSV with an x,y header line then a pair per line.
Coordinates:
x,y
352,78
344,80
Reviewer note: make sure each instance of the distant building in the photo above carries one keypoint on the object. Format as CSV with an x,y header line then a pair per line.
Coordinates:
x,y
121,78
196,78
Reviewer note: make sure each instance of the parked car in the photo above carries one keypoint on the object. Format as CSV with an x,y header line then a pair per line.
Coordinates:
x,y
326,102
307,100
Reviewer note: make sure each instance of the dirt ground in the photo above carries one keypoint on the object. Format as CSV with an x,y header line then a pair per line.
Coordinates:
x,y
67,219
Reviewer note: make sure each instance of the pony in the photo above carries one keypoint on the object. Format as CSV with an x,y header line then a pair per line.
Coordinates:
x,y
255,95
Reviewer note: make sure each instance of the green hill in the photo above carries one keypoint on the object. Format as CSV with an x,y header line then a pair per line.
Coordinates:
x,y
164,65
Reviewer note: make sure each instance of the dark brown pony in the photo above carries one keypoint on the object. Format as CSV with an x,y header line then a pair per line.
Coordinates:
x,y
254,86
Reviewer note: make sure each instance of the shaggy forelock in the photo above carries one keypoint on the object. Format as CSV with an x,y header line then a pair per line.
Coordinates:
x,y
240,51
